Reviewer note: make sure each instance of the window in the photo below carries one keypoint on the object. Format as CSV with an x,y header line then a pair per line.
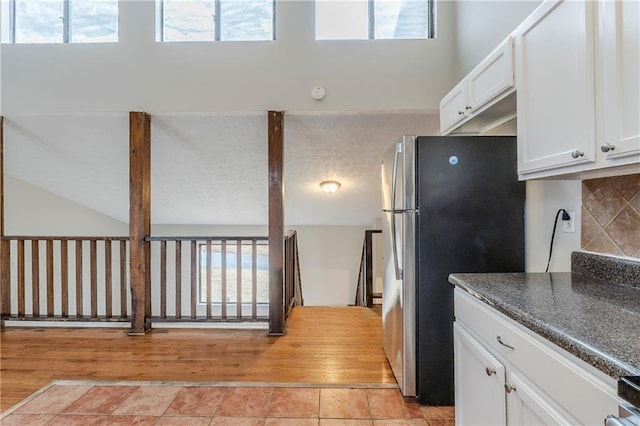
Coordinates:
x,y
220,20
230,272
60,21
374,19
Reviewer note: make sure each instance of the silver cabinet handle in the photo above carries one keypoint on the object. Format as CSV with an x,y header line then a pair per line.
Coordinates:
x,y
607,147
460,112
509,388
577,153
490,371
499,339
468,107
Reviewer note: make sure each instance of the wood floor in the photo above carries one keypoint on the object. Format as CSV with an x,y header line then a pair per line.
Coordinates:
x,y
322,346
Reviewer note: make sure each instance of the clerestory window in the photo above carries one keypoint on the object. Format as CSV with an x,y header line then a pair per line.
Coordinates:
x,y
219,20
59,21
374,19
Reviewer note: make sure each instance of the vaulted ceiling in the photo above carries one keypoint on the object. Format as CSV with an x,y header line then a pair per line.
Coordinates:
x,y
212,168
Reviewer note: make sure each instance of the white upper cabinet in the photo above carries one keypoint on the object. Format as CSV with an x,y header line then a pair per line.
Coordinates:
x,y
556,86
578,84
453,107
482,101
492,77
620,52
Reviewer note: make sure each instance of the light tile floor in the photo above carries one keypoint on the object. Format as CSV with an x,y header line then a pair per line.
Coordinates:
x,y
173,404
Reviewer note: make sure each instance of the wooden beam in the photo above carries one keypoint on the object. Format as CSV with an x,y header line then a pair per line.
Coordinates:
x,y
140,220
276,222
5,255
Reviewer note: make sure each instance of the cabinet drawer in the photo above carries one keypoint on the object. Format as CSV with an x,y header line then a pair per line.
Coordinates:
x,y
564,378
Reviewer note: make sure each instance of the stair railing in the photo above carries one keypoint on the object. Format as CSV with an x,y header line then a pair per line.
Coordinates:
x,y
364,290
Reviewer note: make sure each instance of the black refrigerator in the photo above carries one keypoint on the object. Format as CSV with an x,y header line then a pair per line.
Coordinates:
x,y
451,204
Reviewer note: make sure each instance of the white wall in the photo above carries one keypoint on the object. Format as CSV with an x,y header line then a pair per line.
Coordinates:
x,y
481,25
140,74
544,198
30,210
329,262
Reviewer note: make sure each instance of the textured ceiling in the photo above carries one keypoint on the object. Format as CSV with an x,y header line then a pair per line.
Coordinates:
x,y
212,169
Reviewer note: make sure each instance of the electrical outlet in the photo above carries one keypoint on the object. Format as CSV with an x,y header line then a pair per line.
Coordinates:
x,y
570,225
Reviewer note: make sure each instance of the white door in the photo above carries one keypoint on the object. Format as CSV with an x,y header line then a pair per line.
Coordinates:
x,y
491,77
453,107
479,382
555,85
621,73
527,406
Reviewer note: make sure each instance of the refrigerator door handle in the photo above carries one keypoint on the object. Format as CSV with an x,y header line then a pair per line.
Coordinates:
x,y
394,244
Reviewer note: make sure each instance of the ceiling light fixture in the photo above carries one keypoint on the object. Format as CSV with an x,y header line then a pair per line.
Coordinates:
x,y
330,186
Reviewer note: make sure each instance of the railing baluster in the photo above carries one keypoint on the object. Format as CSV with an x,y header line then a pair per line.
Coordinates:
x,y
254,279
49,278
209,279
223,280
5,277
94,278
178,279
239,279
368,267
79,279
108,280
35,277
194,277
123,279
64,278
21,284
163,279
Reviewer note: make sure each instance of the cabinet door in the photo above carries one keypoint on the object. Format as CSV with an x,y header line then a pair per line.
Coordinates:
x,y
453,107
621,73
491,77
528,406
479,382
555,85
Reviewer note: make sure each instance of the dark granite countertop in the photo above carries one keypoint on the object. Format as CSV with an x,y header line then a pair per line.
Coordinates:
x,y
594,319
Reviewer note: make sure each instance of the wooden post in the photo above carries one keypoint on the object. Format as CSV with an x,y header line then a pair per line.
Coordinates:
x,y
140,220
276,223
5,274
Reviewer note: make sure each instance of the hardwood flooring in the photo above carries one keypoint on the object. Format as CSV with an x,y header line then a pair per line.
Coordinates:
x,y
322,346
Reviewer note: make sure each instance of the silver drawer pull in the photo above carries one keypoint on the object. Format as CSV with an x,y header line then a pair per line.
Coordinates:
x,y
490,371
509,388
499,339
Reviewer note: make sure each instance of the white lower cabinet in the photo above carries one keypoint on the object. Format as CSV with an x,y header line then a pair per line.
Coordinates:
x,y
487,395
527,405
480,380
507,375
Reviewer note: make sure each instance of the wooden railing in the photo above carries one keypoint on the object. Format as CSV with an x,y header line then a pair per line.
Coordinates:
x,y
65,278
364,290
292,282
209,278
192,278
